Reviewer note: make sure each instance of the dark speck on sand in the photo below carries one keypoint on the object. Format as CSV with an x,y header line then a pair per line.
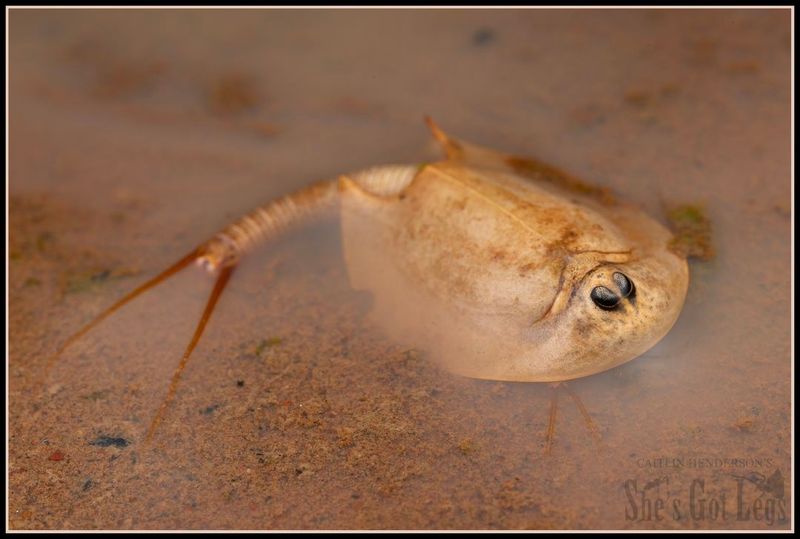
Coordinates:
x,y
107,441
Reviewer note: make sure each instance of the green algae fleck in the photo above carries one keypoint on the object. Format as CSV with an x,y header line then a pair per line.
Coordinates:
x,y
692,230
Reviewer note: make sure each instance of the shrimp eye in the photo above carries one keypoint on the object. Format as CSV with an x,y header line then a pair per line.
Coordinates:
x,y
625,285
604,298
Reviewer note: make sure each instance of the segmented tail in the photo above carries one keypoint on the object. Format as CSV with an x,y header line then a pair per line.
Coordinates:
x,y
221,253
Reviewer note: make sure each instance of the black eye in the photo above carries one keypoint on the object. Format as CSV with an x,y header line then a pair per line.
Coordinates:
x,y
625,285
604,298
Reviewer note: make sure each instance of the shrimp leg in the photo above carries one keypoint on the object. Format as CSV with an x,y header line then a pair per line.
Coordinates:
x,y
221,253
551,424
590,424
219,286
164,275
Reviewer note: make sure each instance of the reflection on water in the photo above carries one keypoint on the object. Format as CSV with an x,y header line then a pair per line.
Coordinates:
x,y
134,140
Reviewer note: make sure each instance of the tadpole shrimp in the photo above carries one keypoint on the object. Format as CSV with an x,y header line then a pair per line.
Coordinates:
x,y
537,276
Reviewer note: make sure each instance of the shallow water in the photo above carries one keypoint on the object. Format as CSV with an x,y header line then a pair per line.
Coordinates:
x,y
136,135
